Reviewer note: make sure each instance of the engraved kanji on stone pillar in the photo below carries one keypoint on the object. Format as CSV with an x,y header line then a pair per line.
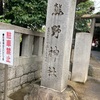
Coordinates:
x,y
58,40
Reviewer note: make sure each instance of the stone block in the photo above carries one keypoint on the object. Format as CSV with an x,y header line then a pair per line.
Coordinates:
x,y
31,76
26,69
17,88
36,45
13,83
26,97
1,96
1,87
19,71
9,92
39,64
2,66
17,45
9,98
11,72
23,60
37,74
27,45
1,75
24,79
25,84
16,61
34,66
81,57
40,50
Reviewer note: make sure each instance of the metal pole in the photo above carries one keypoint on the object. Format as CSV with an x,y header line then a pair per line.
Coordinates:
x,y
5,81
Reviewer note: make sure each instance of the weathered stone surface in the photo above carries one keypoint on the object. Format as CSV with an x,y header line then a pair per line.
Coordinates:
x,y
16,88
24,79
9,92
2,66
58,40
39,64
26,69
31,77
13,83
1,87
27,45
1,96
38,46
37,74
40,50
81,57
33,66
19,71
16,44
1,75
40,93
11,72
9,99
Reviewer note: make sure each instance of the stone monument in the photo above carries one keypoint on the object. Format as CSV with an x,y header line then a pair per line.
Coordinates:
x,y
58,40
81,57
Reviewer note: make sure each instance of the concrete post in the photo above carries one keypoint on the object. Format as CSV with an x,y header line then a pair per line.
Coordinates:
x,y
40,46
36,45
81,57
16,45
58,40
27,43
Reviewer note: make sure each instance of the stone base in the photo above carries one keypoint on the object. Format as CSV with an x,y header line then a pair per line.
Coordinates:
x,y
41,93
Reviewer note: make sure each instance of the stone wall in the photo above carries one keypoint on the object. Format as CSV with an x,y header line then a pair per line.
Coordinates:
x,y
28,50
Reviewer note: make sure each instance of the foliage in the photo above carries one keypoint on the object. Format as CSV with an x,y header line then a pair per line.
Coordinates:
x,y
26,13
2,19
81,9
32,14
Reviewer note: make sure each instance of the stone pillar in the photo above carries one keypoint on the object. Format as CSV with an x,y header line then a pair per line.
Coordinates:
x,y
16,45
38,46
27,43
40,50
58,40
81,57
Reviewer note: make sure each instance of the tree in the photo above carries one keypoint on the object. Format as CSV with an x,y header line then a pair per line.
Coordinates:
x,y
1,7
82,9
32,13
26,13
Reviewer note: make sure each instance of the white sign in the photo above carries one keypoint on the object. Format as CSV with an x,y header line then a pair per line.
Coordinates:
x,y
6,46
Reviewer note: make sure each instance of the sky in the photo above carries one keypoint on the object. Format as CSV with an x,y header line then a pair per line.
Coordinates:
x,y
97,5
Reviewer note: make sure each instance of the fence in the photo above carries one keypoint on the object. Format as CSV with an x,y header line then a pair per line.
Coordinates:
x,y
28,51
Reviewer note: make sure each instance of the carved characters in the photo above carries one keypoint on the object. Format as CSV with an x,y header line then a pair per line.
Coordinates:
x,y
55,31
57,9
52,48
53,51
52,71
